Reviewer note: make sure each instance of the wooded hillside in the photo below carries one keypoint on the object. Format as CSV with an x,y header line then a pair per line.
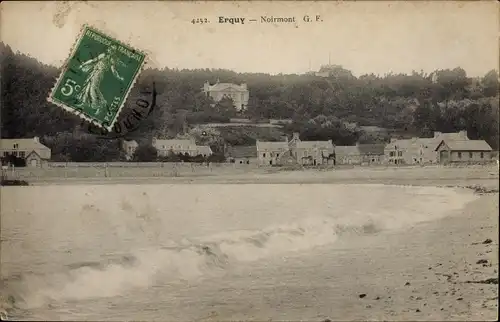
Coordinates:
x,y
321,108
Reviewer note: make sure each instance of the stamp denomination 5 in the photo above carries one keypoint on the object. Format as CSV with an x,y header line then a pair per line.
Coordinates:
x,y
97,78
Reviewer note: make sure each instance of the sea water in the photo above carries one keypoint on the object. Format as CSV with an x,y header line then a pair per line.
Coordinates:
x,y
172,252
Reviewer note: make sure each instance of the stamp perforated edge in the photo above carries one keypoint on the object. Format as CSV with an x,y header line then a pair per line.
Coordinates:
x,y
65,69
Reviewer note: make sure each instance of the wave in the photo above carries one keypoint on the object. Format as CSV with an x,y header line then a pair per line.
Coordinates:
x,y
186,260
191,259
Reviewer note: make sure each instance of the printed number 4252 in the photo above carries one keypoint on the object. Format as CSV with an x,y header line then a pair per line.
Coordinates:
x,y
69,87
199,20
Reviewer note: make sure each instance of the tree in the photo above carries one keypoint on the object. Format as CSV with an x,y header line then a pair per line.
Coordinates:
x,y
225,107
489,84
145,153
414,103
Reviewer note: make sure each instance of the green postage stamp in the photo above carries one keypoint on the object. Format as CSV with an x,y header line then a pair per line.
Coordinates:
x,y
97,78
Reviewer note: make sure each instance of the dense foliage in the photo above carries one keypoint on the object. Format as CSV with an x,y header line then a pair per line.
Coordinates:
x,y
322,108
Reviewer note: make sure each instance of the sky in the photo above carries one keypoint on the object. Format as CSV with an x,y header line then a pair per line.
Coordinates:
x,y
364,37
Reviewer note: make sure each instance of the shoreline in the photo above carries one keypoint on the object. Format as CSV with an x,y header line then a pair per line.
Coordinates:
x,y
376,277
434,176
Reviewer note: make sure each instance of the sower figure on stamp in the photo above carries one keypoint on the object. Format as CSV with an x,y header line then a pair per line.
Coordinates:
x,y
90,93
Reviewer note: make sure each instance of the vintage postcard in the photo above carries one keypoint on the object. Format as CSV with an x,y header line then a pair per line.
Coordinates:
x,y
249,160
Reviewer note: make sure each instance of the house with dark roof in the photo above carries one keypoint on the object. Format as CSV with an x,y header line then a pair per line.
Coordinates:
x,y
242,154
347,154
371,153
31,150
295,151
464,151
362,154
419,150
268,153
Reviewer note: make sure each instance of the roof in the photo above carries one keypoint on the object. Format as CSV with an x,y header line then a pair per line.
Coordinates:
x,y
23,144
175,142
347,150
401,143
371,148
242,151
450,136
467,145
226,86
314,144
130,143
430,142
204,149
272,145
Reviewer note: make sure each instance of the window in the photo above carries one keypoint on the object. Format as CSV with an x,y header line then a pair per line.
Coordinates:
x,y
14,153
482,155
22,154
400,153
16,145
263,155
391,153
5,154
271,154
459,155
470,155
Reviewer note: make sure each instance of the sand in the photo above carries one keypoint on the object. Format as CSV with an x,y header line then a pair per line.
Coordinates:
x,y
428,272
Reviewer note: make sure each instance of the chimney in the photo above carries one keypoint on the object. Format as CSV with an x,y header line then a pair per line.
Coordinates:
x,y
393,140
296,136
153,143
463,135
36,139
437,134
244,86
206,87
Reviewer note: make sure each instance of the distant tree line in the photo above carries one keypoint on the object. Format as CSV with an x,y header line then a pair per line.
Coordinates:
x,y
321,108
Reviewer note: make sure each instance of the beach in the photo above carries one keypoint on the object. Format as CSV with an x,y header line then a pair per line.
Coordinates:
x,y
356,244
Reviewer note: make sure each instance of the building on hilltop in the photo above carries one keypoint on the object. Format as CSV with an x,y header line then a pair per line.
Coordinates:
x,y
31,150
238,93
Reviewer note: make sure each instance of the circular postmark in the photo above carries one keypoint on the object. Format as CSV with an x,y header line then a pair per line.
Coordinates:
x,y
130,119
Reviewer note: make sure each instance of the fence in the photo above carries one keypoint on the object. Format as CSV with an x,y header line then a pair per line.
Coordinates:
x,y
124,170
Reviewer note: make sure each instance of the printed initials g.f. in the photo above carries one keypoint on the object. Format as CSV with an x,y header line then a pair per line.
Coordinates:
x,y
69,87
